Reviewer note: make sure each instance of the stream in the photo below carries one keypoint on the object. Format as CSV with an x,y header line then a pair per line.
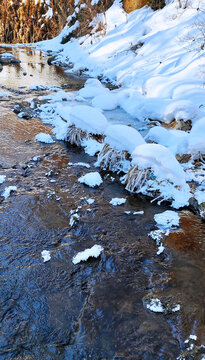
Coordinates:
x,y
95,309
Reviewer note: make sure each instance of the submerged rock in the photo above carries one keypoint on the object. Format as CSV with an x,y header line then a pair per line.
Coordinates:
x,y
8,58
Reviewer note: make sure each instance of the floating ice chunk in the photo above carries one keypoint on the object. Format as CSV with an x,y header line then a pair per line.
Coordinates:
x,y
2,178
160,249
94,251
74,218
46,255
88,119
36,158
167,219
155,305
127,212
138,212
90,201
8,191
44,138
176,308
91,179
118,201
79,164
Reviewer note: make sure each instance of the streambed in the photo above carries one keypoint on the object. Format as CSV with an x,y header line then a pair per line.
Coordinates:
x,y
96,309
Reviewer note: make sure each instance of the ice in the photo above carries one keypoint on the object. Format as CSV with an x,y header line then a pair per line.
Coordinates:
x,y
2,178
94,251
79,164
92,179
161,161
90,201
46,255
155,305
118,201
44,138
8,191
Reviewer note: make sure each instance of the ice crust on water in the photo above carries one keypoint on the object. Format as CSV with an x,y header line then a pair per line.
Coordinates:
x,y
92,179
44,138
2,178
8,191
94,251
118,201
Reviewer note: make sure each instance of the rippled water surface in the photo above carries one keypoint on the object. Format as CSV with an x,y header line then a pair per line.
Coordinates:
x,y
93,310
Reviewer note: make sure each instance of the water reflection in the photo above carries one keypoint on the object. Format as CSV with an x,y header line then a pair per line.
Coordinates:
x,y
12,75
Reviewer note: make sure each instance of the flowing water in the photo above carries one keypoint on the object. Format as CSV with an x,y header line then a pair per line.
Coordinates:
x,y
95,309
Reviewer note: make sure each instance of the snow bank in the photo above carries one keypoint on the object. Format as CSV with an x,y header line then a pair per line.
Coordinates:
x,y
92,179
94,251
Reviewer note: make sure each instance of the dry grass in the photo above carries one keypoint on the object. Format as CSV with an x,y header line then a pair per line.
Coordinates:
x,y
111,159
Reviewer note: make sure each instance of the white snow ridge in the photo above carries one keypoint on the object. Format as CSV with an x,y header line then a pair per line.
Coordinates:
x,y
94,251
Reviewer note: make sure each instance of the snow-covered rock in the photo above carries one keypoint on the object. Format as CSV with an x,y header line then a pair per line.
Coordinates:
x,y
44,138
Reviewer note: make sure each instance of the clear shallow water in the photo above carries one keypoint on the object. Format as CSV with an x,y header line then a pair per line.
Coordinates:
x,y
94,310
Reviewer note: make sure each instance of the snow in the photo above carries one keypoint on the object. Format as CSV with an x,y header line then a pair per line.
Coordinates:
x,y
44,138
155,305
2,178
46,255
73,219
123,137
94,251
88,119
117,201
167,219
105,101
90,201
8,191
92,179
157,60
161,161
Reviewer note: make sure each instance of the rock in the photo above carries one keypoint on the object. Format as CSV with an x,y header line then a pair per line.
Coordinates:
x,y
51,59
23,111
7,58
185,158
1,67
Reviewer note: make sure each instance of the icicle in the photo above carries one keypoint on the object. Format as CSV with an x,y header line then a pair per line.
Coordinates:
x,y
112,159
